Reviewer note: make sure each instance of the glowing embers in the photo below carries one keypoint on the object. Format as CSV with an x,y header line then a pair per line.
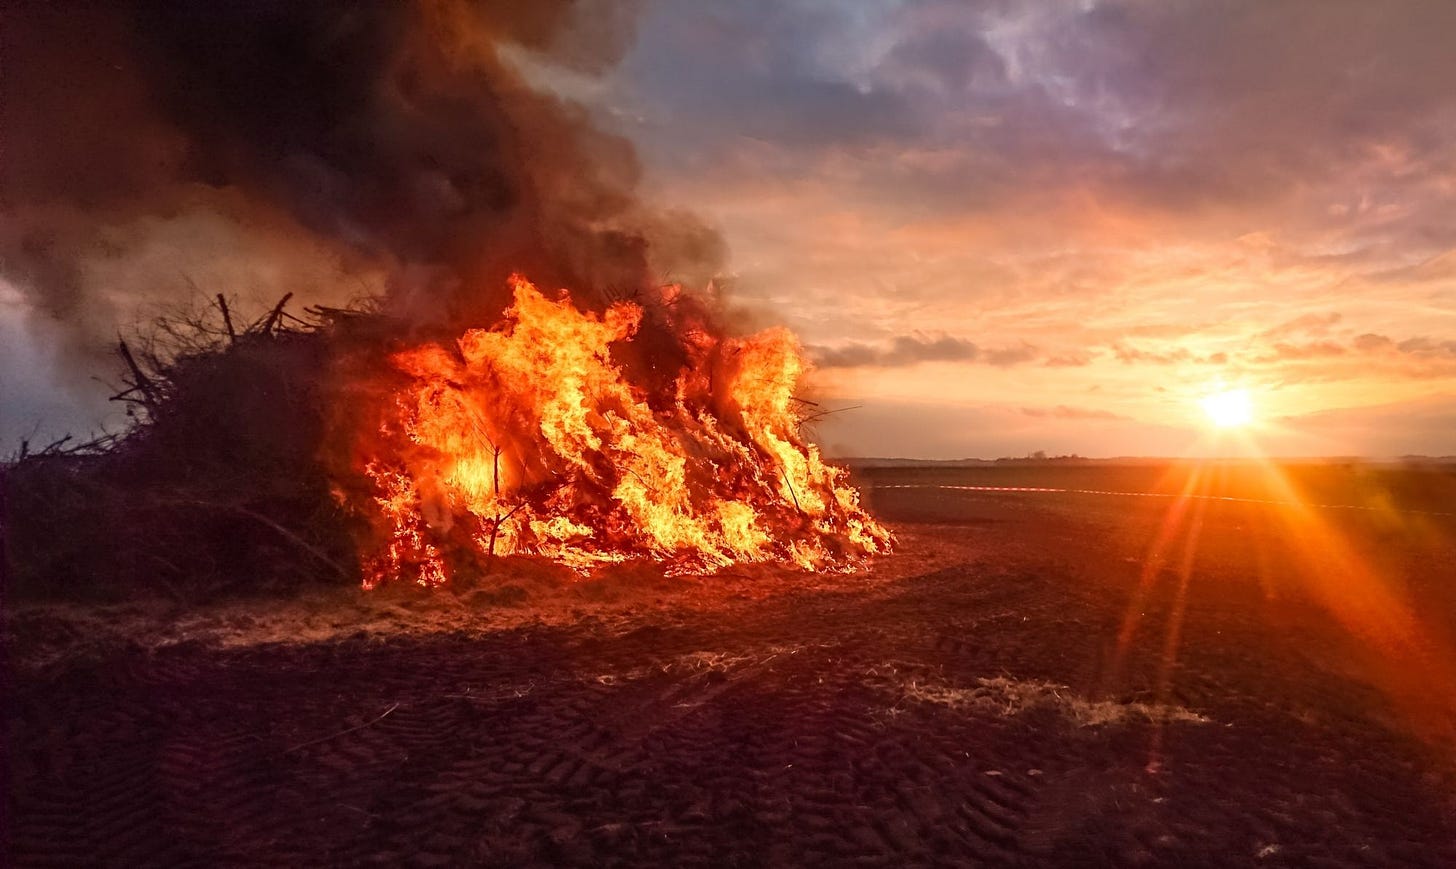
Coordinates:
x,y
553,435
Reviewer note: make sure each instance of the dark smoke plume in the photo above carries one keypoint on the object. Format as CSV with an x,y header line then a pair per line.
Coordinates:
x,y
319,147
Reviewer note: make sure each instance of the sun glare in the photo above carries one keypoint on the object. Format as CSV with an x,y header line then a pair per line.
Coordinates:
x,y
1229,409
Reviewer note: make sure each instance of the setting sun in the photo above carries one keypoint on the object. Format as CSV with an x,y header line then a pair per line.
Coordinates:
x,y
1228,409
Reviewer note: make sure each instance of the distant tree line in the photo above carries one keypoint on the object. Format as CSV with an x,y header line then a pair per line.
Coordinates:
x,y
1040,457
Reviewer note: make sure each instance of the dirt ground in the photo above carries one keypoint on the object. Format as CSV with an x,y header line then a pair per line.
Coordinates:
x,y
1089,677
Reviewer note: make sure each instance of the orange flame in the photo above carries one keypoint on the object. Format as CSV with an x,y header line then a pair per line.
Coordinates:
x,y
531,438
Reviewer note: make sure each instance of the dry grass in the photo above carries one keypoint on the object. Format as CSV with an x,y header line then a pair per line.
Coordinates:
x,y
1005,696
701,662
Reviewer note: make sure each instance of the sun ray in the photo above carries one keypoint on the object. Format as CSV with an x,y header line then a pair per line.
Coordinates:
x,y
1151,569
1407,658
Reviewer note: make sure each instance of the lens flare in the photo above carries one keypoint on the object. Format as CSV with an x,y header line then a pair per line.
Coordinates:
x,y
1229,409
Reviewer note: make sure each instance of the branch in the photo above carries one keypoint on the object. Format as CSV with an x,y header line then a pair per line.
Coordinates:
x,y
818,415
227,319
272,319
143,382
792,493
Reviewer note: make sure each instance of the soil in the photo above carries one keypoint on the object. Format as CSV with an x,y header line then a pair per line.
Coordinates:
x,y
1037,678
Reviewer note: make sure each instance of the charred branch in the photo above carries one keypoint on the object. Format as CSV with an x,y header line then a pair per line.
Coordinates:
x,y
818,415
495,529
792,493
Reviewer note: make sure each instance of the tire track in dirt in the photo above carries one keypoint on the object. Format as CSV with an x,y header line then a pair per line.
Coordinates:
x,y
787,735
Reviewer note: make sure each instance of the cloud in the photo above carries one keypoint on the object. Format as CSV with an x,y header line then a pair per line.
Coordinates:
x,y
1373,345
1421,426
944,430
1005,357
1021,125
903,350
1176,108
1213,190
1285,352
1427,348
1332,358
1313,325
906,350
1129,355
1418,358
1062,411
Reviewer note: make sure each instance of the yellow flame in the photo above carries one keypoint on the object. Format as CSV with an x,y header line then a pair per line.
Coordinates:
x,y
529,438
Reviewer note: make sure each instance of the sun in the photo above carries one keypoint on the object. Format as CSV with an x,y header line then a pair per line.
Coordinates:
x,y
1229,409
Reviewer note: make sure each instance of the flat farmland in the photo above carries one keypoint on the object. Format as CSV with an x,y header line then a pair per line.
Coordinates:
x,y
1089,665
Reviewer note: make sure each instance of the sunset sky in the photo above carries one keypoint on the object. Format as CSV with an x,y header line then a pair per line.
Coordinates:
x,y
1002,227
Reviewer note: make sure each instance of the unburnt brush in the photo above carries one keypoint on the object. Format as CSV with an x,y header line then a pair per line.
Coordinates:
x,y
215,485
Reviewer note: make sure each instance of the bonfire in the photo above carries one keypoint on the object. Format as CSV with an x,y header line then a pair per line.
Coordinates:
x,y
581,435
552,434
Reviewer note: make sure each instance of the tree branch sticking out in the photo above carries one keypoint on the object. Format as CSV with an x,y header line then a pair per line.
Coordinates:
x,y
140,381
272,319
227,317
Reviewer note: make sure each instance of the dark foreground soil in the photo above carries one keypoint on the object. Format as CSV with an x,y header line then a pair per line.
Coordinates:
x,y
979,711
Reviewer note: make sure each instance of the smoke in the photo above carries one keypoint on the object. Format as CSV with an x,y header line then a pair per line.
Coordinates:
x,y
329,148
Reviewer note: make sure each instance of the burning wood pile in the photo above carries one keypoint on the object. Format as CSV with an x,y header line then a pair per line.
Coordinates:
x,y
345,446
594,438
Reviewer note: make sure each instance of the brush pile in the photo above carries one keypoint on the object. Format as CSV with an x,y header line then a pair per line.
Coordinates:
x,y
358,447
216,487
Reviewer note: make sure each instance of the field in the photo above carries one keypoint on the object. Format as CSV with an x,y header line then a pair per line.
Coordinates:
x,y
1152,665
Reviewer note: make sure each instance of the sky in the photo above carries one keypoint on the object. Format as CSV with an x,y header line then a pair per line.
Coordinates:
x,y
1003,226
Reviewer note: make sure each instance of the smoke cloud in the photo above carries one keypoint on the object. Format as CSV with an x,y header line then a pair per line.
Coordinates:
x,y
329,148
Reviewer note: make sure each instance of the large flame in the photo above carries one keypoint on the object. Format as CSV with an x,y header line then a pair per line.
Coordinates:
x,y
557,433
